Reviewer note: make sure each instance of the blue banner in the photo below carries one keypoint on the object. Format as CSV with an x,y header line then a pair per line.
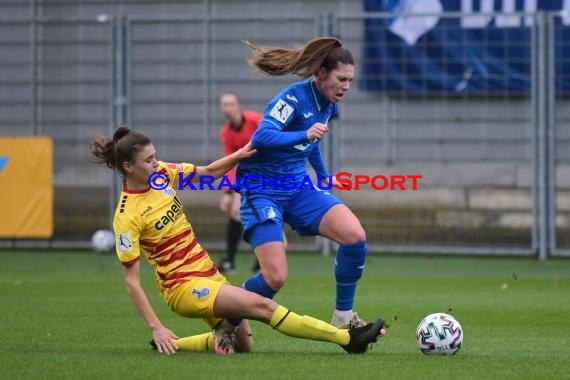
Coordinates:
x,y
475,53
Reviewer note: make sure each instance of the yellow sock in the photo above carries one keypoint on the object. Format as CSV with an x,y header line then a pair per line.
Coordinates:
x,y
295,325
197,343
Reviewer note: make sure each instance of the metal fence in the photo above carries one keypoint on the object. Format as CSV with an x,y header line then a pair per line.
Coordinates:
x,y
494,165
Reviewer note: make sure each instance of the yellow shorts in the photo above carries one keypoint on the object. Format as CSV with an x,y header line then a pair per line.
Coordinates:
x,y
195,298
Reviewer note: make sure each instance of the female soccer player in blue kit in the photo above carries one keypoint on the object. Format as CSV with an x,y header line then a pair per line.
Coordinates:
x,y
294,122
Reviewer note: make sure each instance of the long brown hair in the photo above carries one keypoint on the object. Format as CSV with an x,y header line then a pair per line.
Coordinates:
x,y
303,61
123,147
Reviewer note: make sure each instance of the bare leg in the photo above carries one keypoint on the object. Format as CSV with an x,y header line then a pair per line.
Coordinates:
x,y
273,263
342,226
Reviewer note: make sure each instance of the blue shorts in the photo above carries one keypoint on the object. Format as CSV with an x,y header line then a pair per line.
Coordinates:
x,y
303,210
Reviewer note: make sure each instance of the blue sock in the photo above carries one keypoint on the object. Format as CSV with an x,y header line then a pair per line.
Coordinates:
x,y
258,285
349,264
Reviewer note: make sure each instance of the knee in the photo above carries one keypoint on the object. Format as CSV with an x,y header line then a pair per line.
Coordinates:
x,y
244,335
353,235
275,279
234,207
225,203
244,345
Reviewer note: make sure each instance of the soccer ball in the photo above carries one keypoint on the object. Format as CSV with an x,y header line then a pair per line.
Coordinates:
x,y
439,334
103,241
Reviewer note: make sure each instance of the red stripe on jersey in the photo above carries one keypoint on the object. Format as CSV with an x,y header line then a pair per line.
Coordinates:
x,y
176,255
190,260
166,252
131,262
156,247
125,190
183,277
148,244
173,240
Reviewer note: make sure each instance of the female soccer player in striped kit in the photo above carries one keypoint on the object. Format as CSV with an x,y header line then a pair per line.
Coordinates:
x,y
288,136
151,222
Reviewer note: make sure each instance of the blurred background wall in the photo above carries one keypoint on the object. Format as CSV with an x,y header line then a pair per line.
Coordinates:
x,y
491,145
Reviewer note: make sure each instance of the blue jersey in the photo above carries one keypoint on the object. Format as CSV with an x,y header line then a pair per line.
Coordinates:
x,y
281,138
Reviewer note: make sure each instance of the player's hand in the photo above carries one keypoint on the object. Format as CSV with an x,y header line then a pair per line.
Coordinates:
x,y
336,183
164,340
317,131
246,151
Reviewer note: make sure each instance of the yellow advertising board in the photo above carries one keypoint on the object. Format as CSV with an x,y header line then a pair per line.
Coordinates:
x,y
26,189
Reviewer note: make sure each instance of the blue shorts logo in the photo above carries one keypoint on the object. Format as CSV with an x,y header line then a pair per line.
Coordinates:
x,y
268,212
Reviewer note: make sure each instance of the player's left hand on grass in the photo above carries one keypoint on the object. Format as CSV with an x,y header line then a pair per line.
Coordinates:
x,y
164,340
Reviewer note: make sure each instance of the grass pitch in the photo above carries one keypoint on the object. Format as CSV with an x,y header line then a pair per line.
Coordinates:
x,y
66,315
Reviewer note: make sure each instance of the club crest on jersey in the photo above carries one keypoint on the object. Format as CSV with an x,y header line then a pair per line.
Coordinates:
x,y
281,111
124,242
169,192
201,293
269,212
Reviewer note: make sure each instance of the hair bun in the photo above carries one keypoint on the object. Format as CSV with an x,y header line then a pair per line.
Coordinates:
x,y
121,132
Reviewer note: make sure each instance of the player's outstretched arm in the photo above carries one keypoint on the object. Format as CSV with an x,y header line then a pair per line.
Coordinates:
x,y
220,167
162,336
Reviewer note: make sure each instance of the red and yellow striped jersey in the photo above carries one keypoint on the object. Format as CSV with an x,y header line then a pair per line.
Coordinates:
x,y
153,222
